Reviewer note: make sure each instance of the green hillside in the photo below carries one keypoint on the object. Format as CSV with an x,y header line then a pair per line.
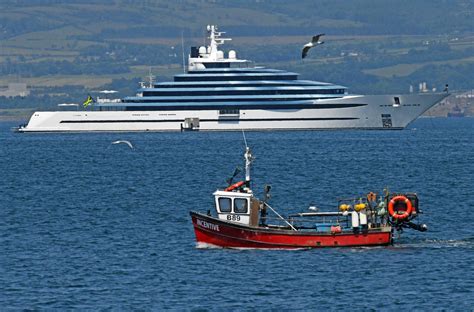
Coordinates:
x,y
371,46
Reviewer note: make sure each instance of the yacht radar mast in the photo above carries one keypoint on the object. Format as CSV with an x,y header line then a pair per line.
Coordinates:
x,y
151,78
210,57
216,40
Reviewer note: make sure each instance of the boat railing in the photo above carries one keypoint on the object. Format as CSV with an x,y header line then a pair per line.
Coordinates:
x,y
319,221
280,217
68,106
107,100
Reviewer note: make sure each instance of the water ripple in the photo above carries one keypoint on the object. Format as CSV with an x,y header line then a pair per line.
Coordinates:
x,y
89,227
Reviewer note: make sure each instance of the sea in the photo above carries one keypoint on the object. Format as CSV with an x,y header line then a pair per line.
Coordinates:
x,y
90,225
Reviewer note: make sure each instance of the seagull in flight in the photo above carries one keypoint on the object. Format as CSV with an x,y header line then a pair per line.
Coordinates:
x,y
124,142
314,42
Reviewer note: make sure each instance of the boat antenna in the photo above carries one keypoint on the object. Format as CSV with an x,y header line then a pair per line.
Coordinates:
x,y
182,49
245,140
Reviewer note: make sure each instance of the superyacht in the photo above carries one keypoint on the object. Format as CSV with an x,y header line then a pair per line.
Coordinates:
x,y
222,93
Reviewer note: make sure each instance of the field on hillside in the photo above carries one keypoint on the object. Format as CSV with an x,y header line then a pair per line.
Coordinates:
x,y
114,43
338,49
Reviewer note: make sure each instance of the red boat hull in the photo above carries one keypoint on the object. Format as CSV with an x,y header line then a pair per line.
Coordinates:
x,y
212,231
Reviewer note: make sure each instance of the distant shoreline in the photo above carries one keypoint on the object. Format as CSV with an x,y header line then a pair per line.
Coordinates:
x,y
13,119
18,114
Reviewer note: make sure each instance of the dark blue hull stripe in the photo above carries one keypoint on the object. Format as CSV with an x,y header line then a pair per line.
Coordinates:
x,y
211,120
200,101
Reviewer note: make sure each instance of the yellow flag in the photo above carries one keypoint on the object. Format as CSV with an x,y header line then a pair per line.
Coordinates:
x,y
88,101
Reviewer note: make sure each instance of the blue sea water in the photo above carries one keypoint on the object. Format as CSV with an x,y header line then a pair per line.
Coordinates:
x,y
89,225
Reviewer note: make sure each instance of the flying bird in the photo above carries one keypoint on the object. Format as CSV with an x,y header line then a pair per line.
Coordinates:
x,y
124,142
314,42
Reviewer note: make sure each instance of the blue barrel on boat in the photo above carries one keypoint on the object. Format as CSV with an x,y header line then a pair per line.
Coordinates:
x,y
324,227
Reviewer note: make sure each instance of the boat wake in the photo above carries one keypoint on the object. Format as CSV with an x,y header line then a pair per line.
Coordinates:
x,y
466,243
201,245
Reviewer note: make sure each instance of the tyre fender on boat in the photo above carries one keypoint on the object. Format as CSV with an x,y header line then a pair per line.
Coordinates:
x,y
234,186
371,197
395,214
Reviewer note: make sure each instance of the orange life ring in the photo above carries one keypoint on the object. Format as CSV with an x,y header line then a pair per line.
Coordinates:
x,y
394,213
234,186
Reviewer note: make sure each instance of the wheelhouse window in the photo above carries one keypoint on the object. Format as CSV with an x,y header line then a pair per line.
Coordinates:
x,y
240,205
225,204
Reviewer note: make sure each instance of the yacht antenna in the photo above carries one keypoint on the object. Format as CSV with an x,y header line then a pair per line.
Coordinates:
x,y
182,49
150,78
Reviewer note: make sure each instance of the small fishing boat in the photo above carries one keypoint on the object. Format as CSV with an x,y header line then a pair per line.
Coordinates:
x,y
241,220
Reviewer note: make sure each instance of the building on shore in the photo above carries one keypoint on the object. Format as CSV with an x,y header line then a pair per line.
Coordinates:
x,y
15,89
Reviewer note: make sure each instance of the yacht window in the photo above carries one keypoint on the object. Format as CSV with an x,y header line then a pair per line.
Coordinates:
x,y
396,100
224,204
229,112
240,205
217,65
239,92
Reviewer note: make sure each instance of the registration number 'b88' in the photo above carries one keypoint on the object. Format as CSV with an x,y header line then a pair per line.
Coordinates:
x,y
233,217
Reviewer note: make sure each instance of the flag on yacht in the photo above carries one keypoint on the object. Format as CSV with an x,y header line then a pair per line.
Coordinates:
x,y
88,101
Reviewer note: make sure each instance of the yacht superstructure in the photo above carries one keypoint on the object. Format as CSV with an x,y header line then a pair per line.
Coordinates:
x,y
222,92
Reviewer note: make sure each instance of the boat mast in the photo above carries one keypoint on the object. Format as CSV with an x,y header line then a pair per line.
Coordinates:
x,y
248,161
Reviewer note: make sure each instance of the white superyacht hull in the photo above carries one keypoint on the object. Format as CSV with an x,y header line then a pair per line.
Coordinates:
x,y
372,112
